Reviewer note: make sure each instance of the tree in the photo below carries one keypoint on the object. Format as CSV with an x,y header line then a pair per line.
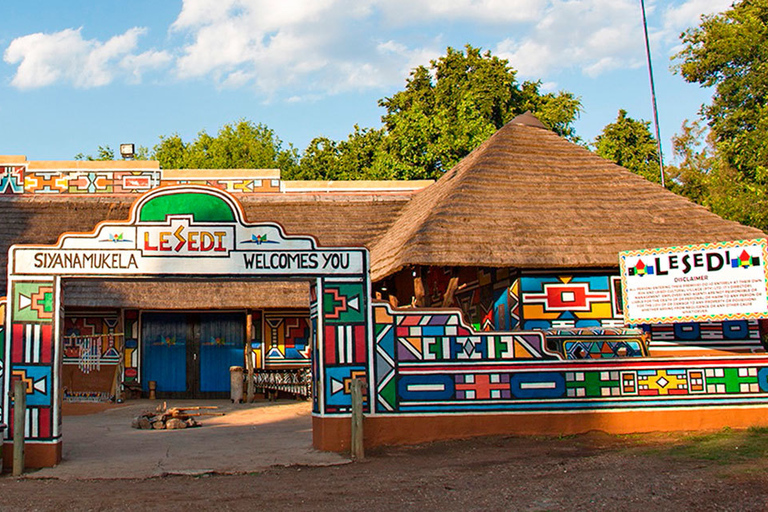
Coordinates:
x,y
629,143
448,109
107,153
243,145
705,177
730,52
354,158
103,153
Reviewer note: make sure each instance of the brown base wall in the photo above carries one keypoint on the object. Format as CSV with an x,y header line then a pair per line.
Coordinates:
x,y
36,455
333,434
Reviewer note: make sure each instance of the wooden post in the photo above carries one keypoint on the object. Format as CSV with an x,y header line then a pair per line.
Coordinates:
x,y
453,284
19,417
356,445
249,394
418,288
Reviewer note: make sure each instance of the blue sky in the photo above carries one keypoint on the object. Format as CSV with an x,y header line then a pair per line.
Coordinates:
x,y
78,74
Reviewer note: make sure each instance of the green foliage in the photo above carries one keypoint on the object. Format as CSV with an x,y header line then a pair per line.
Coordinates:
x,y
103,153
730,52
450,108
629,143
107,153
241,145
325,159
705,177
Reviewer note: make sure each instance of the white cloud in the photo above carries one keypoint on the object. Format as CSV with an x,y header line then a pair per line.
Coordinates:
x,y
409,12
301,50
591,35
677,18
310,46
65,57
596,36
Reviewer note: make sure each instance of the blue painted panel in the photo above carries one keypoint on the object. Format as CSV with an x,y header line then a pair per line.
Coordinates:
x,y
537,385
736,330
222,339
425,387
164,349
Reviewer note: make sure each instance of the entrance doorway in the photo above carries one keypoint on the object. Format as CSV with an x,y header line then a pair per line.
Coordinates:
x,y
189,354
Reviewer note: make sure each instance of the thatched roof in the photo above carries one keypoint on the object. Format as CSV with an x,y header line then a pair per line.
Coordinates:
x,y
529,199
334,219
185,294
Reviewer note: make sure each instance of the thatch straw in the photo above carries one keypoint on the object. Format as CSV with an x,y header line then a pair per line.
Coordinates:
x,y
529,199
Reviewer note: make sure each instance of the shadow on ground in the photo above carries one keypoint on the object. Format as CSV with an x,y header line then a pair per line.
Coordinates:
x,y
248,438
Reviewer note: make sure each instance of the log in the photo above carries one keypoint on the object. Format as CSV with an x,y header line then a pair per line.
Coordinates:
x,y
175,424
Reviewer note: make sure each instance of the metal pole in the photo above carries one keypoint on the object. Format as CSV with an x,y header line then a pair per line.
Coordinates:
x,y
653,93
19,417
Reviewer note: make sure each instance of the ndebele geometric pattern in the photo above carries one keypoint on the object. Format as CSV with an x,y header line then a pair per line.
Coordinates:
x,y
409,378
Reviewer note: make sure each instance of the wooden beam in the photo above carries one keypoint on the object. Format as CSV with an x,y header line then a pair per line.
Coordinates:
x,y
418,289
453,285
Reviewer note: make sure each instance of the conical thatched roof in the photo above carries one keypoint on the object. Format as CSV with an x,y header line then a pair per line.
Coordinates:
x,y
529,199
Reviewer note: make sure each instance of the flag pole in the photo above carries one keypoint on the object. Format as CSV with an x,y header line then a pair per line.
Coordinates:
x,y
653,93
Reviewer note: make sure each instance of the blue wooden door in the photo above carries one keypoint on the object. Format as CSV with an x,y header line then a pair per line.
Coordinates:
x,y
222,338
164,351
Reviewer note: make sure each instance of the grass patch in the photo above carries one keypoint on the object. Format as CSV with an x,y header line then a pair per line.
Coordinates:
x,y
726,446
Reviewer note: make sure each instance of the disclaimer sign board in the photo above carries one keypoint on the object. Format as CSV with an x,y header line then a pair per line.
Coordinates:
x,y
695,283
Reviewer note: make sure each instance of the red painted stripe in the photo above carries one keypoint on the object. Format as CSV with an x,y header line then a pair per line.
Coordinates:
x,y
358,331
46,343
330,344
591,365
17,343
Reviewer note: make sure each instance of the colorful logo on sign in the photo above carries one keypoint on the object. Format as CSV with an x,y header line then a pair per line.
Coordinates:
x,y
260,239
641,269
745,261
115,237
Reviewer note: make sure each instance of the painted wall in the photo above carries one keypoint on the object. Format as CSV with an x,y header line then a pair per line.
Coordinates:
x,y
18,179
494,299
93,342
431,362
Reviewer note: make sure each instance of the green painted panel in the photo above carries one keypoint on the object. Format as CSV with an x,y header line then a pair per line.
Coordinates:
x,y
203,208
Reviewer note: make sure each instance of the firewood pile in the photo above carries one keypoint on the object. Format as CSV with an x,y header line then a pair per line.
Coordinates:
x,y
173,418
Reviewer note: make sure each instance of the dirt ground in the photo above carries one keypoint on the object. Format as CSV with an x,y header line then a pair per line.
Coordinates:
x,y
721,471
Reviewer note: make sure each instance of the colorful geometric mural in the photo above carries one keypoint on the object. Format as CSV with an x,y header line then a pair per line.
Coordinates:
x,y
411,378
688,339
19,180
345,343
563,302
287,337
92,339
32,354
489,298
11,179
131,356
428,338
102,327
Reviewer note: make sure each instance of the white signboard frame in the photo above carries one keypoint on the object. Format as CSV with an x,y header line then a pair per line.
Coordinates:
x,y
695,283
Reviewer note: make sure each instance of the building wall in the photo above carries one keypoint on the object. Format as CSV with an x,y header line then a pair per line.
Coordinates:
x,y
499,300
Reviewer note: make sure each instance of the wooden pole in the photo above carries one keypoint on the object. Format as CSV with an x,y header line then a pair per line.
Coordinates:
x,y
356,445
453,284
249,396
19,417
418,288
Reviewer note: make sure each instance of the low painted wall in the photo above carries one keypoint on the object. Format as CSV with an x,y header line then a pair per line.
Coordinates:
x,y
433,377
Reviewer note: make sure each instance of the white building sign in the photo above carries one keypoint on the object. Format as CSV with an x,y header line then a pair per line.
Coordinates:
x,y
696,283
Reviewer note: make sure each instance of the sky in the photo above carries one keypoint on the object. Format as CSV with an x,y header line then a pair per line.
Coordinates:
x,y
78,74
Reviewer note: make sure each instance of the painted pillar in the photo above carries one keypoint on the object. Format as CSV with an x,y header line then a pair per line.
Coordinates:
x,y
33,355
340,318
